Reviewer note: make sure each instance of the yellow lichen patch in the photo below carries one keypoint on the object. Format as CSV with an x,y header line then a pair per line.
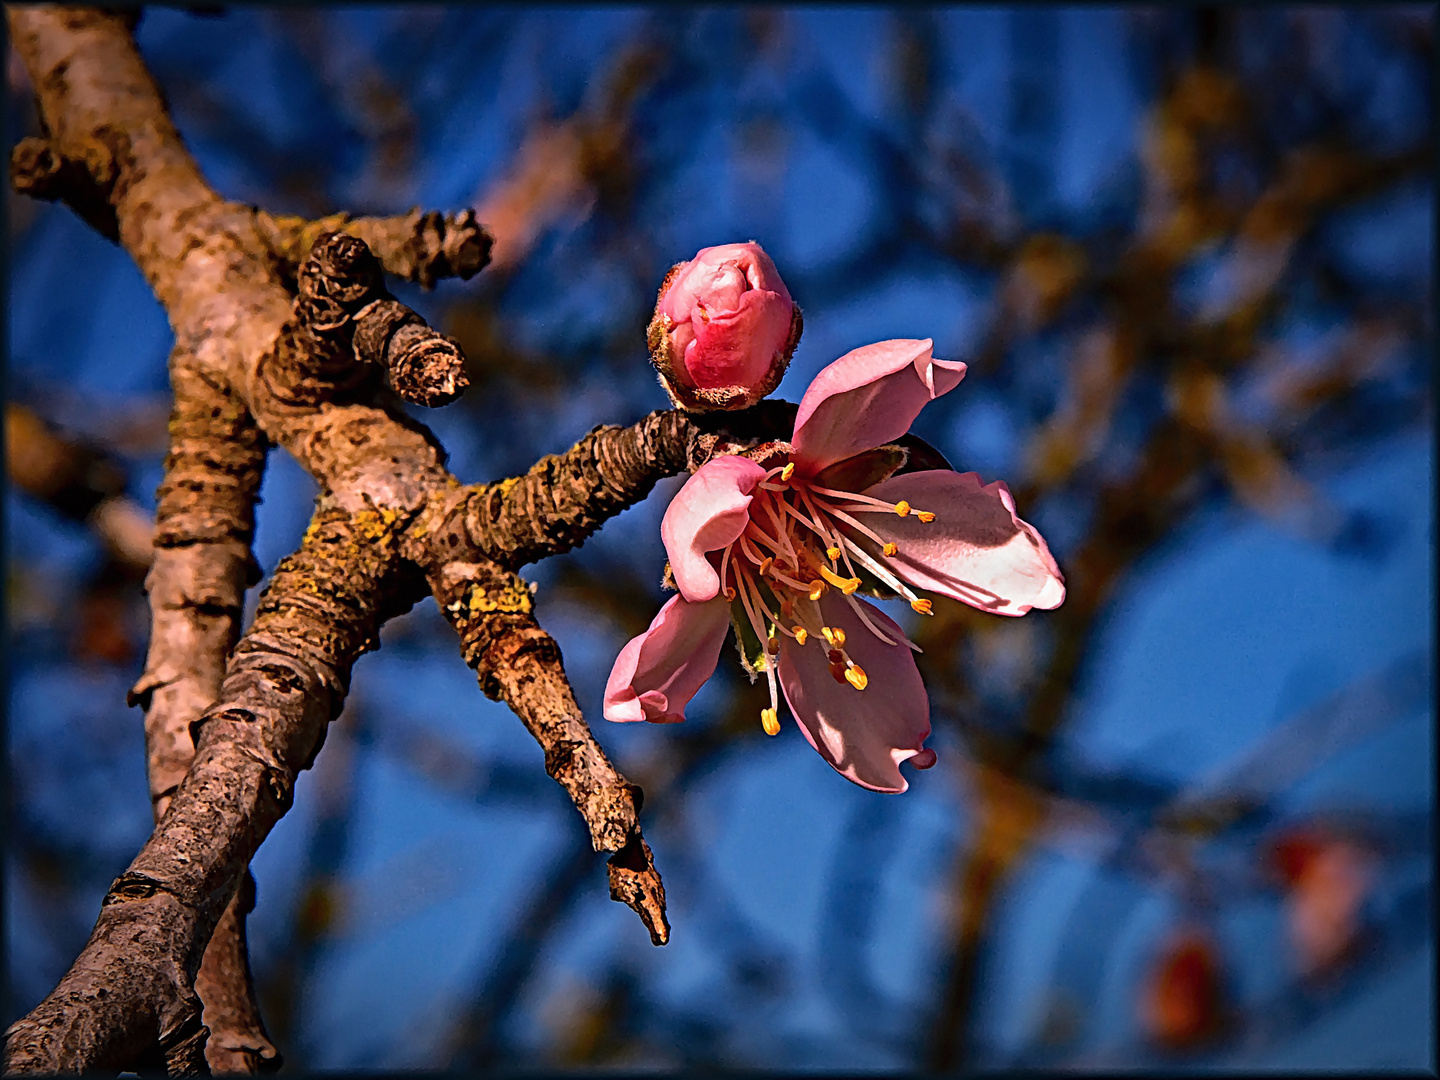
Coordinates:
x,y
513,598
375,524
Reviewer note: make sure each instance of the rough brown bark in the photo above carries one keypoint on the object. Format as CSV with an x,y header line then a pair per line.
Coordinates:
x,y
565,497
205,521
252,360
344,314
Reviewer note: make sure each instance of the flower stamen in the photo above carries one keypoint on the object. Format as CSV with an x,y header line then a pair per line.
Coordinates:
x,y
770,721
794,583
774,700
863,530
859,610
785,547
845,585
890,549
856,677
749,550
883,573
746,601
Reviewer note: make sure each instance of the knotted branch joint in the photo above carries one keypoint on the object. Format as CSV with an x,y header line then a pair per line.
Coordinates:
x,y
344,314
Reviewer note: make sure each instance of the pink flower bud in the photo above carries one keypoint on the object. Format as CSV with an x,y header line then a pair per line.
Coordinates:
x,y
724,329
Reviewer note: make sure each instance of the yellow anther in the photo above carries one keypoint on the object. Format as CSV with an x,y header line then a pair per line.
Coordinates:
x,y
834,635
925,516
828,635
845,585
856,677
890,549
772,645
832,553
788,471
817,589
924,607
902,508
801,635
765,564
770,721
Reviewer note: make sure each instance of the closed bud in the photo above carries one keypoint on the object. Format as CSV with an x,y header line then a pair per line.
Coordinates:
x,y
724,329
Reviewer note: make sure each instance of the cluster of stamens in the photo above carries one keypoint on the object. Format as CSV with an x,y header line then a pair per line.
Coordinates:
x,y
792,553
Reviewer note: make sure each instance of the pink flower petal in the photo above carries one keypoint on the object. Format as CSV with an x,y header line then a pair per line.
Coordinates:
x,y
867,398
707,514
736,346
976,550
717,276
657,673
863,734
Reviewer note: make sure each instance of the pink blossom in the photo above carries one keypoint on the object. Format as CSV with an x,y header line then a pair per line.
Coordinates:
x,y
724,328
1328,879
780,547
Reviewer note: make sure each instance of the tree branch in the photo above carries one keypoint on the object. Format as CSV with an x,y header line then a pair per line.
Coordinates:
x,y
203,565
131,985
564,498
291,366
519,663
418,247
